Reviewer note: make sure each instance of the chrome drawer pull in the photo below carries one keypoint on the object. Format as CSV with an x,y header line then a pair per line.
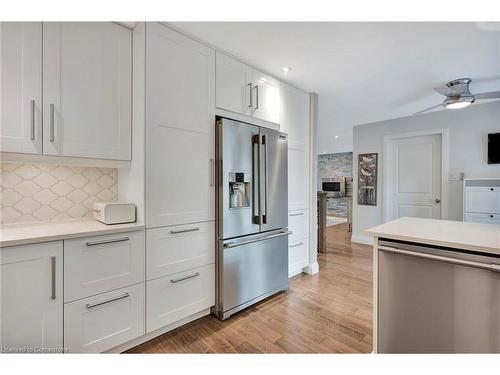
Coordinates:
x,y
173,281
51,122
297,214
184,230
32,108
123,239
256,88
251,100
296,244
53,277
91,305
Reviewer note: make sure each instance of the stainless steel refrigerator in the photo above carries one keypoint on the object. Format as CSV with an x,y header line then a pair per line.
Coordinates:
x,y
252,215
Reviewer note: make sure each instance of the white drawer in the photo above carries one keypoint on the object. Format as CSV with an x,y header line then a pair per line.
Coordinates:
x,y
298,223
482,218
175,297
99,323
482,199
298,256
180,248
99,264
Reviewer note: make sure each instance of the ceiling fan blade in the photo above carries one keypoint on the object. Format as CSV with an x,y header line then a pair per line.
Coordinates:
x,y
487,95
447,91
428,109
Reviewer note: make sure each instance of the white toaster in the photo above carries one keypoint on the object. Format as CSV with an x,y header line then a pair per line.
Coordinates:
x,y
114,212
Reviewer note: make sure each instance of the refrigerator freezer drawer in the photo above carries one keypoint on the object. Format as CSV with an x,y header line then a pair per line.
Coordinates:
x,y
251,272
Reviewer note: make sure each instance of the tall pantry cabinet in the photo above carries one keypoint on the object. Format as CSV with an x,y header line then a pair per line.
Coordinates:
x,y
180,176
294,120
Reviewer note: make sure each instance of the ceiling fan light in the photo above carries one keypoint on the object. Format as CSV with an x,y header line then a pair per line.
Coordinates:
x,y
457,103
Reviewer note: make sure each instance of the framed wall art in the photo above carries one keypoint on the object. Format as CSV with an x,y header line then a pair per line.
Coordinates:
x,y
367,179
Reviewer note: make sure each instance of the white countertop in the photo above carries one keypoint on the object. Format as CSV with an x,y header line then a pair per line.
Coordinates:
x,y
22,234
454,234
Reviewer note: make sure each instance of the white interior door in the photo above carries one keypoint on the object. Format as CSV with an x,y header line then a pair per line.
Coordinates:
x,y
414,177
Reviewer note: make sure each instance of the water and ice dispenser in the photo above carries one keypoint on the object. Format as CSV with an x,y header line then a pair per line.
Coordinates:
x,y
239,190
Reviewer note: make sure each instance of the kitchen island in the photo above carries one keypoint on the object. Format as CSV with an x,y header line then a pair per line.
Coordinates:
x,y
436,286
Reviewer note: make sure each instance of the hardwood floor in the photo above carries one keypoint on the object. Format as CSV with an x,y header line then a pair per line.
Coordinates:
x,y
330,312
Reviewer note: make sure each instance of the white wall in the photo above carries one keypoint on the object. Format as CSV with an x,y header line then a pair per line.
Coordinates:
x,y
468,129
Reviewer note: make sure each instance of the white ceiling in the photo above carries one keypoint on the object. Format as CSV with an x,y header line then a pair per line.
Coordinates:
x,y
363,72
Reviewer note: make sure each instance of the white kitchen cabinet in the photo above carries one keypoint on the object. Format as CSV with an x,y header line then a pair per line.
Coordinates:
x,y
233,89
244,90
179,248
298,223
294,120
298,256
266,93
99,264
298,179
32,296
99,323
180,127
482,218
87,88
298,241
172,298
21,87
294,116
482,199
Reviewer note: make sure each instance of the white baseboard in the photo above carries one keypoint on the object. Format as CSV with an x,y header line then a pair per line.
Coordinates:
x,y
365,240
312,268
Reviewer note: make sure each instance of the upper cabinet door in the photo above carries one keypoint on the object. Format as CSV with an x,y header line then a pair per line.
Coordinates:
x,y
294,120
87,68
180,127
265,91
294,116
21,87
233,85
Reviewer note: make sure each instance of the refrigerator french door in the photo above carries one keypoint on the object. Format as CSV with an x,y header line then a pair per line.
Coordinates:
x,y
252,215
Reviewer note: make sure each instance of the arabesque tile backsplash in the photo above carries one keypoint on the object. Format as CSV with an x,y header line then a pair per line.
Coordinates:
x,y
49,192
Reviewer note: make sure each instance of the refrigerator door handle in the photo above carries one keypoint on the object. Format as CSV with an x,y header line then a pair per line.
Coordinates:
x,y
257,218
265,215
230,245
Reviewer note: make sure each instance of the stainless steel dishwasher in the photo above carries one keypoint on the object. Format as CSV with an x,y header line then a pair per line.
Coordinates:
x,y
437,300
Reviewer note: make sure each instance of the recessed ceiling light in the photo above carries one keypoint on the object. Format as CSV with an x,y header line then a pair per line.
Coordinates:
x,y
286,69
336,136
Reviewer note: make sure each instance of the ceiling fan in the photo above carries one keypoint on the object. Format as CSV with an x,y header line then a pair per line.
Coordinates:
x,y
458,95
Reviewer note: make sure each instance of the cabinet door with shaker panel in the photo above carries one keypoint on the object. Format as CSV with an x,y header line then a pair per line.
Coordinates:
x,y
180,127
21,87
247,91
32,296
87,89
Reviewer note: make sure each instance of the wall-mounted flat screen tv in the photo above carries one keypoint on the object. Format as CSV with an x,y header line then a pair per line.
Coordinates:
x,y
494,148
